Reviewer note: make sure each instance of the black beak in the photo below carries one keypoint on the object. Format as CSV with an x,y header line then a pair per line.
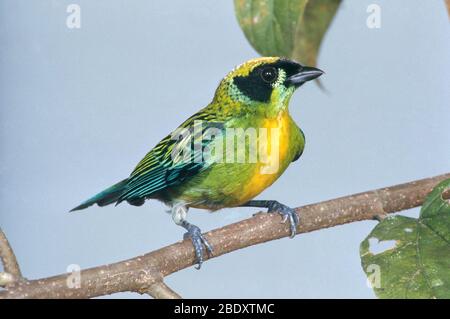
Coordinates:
x,y
305,74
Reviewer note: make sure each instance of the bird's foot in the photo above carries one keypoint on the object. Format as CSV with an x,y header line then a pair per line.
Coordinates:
x,y
287,213
198,241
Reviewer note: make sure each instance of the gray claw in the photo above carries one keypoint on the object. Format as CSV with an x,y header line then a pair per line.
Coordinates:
x,y
287,213
198,240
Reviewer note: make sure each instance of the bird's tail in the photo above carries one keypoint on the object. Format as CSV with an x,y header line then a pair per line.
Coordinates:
x,y
106,197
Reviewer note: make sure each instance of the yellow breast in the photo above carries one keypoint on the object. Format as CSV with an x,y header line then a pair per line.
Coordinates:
x,y
272,153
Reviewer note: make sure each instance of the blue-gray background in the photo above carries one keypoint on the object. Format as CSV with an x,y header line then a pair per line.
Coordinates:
x,y
80,107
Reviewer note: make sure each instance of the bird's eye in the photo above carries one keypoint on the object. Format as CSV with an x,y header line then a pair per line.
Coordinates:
x,y
269,74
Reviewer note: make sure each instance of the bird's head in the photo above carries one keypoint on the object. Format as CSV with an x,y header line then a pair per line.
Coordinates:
x,y
264,82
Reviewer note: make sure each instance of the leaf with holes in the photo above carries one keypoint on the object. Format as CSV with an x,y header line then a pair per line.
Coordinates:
x,y
287,28
417,264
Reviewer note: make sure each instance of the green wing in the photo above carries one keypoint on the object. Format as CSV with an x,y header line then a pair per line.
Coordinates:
x,y
165,166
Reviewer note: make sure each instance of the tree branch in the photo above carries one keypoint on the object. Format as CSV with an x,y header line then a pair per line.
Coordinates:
x,y
160,290
10,266
144,274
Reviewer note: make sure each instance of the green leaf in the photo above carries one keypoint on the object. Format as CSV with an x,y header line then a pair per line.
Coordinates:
x,y
418,263
288,28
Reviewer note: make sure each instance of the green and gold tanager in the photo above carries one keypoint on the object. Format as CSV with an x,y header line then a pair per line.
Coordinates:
x,y
254,97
